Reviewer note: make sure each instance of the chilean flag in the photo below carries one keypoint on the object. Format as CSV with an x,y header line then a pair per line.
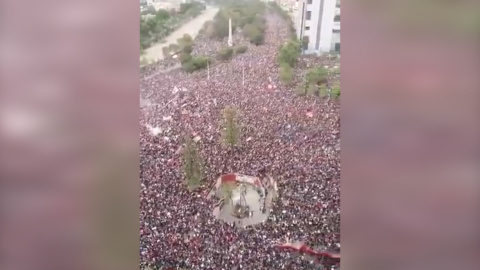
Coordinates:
x,y
330,258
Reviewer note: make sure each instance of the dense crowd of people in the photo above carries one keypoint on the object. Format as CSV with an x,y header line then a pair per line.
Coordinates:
x,y
295,139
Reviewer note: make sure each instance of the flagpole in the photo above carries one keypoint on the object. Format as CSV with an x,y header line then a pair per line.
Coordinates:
x,y
243,75
230,38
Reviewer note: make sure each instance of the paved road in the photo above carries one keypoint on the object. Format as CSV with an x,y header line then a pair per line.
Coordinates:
x,y
192,28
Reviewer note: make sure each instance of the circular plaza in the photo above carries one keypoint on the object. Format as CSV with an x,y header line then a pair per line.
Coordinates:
x,y
243,200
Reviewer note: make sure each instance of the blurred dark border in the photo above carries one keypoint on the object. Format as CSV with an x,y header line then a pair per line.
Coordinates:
x,y
410,181
69,111
69,134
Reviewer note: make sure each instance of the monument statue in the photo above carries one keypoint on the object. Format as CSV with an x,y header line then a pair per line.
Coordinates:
x,y
230,38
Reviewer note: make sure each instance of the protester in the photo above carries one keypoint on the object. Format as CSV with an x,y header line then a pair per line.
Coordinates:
x,y
292,138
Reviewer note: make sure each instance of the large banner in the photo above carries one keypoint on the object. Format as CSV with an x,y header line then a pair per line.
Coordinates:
x,y
330,258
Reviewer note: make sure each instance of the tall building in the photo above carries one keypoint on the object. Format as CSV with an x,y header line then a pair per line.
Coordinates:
x,y
318,25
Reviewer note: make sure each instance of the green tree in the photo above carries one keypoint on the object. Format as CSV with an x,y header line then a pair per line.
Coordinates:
x,y
317,76
187,39
187,48
184,7
195,63
335,92
185,43
258,38
200,62
248,30
192,165
144,43
240,49
253,33
191,8
185,57
162,15
289,53
321,90
188,66
150,10
220,26
157,27
242,13
231,130
225,54
286,73
304,88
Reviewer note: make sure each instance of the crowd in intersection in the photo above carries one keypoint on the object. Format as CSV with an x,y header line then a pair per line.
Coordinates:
x,y
294,139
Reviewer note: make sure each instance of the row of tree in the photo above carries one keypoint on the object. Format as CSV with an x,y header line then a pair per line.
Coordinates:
x,y
274,7
183,51
227,53
287,58
289,52
316,80
189,62
247,16
193,164
156,25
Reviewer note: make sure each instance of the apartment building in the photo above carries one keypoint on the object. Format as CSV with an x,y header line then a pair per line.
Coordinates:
x,y
318,25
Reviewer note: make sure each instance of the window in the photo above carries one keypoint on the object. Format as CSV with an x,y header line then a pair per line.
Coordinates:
x,y
309,15
336,18
307,28
337,47
336,30
309,1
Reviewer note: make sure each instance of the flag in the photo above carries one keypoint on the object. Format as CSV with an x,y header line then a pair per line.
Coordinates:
x,y
330,258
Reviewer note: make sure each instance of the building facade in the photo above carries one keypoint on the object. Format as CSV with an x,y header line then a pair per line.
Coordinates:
x,y
318,25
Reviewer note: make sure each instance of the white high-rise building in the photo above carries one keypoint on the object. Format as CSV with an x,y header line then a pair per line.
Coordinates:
x,y
318,24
